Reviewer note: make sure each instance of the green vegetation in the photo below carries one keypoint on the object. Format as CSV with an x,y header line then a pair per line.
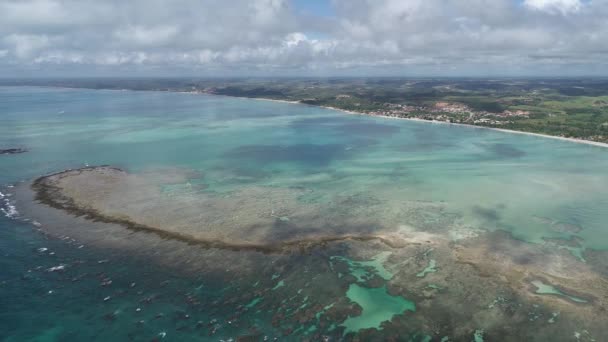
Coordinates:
x,y
576,108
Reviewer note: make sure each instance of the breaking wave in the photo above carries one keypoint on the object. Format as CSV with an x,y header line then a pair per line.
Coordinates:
x,y
7,207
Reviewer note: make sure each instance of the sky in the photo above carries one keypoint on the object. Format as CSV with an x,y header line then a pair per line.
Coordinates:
x,y
50,38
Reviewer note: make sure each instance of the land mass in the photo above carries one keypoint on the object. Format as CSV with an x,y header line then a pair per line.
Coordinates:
x,y
567,108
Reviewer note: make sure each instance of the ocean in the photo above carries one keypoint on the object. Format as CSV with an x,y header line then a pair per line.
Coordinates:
x,y
379,228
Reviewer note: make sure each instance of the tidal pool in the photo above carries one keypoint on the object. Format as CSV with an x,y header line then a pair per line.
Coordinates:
x,y
232,218
377,306
546,289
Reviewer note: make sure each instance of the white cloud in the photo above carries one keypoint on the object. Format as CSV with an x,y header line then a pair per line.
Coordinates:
x,y
554,6
146,36
54,57
26,45
270,36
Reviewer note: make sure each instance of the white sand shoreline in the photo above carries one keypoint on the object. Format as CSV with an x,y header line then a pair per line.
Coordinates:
x,y
574,140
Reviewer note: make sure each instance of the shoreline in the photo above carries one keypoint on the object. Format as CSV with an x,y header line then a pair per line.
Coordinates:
x,y
504,130
540,135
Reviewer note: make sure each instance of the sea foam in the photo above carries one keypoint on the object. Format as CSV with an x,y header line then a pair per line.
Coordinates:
x,y
6,206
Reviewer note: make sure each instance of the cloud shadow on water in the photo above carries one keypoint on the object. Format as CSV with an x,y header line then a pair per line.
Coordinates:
x,y
504,151
347,126
317,155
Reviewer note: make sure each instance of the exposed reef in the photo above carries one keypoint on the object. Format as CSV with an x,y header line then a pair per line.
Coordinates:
x,y
267,220
444,282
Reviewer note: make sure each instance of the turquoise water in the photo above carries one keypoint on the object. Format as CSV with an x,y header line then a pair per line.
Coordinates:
x,y
448,180
542,288
377,306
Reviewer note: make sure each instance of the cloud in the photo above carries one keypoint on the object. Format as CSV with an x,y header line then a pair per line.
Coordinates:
x,y
142,36
554,6
274,37
26,45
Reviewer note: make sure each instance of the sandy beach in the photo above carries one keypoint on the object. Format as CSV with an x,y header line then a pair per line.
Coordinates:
x,y
574,140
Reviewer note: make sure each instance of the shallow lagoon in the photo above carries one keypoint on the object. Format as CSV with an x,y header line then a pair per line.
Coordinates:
x,y
425,182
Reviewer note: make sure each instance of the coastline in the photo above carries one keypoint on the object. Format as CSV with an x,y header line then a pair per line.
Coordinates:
x,y
540,135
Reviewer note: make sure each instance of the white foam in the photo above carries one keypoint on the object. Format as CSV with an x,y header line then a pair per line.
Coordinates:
x,y
56,268
6,207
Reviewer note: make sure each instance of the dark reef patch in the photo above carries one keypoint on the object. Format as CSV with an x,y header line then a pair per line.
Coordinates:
x,y
306,154
318,121
348,127
12,151
502,150
243,173
368,129
488,214
423,146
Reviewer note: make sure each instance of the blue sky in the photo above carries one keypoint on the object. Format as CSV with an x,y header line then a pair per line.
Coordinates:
x,y
321,8
303,37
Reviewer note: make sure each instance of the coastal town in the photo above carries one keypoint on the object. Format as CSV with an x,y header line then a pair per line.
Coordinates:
x,y
533,106
563,108
451,113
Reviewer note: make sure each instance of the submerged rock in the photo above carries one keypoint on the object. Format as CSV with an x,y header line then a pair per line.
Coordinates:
x,y
12,151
